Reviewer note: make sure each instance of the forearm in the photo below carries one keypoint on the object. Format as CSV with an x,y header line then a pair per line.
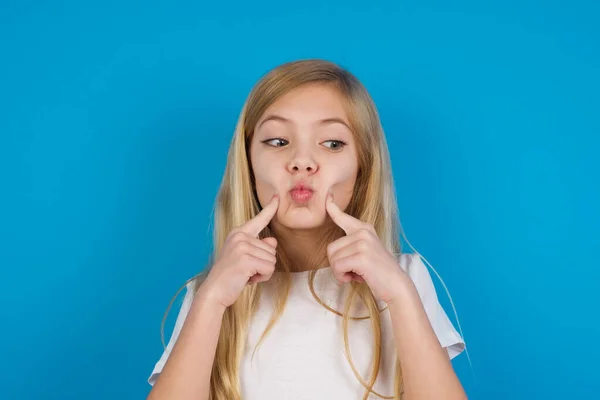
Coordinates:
x,y
186,374
426,368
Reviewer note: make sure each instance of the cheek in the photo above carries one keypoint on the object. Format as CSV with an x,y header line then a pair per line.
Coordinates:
x,y
343,174
265,172
342,184
266,179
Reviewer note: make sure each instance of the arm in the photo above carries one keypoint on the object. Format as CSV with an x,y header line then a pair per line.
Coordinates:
x,y
426,367
186,375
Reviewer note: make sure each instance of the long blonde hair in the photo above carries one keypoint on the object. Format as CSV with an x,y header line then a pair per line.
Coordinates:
x,y
373,201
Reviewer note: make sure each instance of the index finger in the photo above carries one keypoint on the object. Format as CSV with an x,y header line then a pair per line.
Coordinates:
x,y
345,221
262,219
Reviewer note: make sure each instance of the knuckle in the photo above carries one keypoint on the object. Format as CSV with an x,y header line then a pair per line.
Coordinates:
x,y
265,264
362,245
243,246
268,276
335,265
238,236
237,250
365,232
269,249
245,258
268,269
331,248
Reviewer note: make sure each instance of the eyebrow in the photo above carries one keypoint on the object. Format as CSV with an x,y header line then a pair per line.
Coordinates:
x,y
326,121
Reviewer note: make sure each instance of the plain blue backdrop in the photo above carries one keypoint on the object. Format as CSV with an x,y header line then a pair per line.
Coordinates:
x,y
115,119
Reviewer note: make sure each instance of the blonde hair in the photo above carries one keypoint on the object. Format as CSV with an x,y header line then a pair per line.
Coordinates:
x,y
373,202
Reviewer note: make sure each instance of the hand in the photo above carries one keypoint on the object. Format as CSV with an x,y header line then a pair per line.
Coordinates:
x,y
243,259
361,256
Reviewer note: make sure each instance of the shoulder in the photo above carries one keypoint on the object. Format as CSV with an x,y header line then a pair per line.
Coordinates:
x,y
415,268
413,265
184,307
408,260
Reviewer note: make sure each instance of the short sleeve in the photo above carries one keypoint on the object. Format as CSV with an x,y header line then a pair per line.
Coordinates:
x,y
447,335
183,311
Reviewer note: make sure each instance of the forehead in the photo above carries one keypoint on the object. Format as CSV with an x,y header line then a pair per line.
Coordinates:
x,y
307,104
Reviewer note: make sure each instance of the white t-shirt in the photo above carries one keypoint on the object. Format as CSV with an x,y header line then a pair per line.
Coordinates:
x,y
302,356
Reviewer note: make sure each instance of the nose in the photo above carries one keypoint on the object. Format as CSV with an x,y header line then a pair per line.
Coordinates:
x,y
302,162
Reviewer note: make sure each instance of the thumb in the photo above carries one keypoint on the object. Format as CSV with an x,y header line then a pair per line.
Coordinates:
x,y
271,241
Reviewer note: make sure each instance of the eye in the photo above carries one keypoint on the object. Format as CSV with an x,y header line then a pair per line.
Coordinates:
x,y
280,142
336,145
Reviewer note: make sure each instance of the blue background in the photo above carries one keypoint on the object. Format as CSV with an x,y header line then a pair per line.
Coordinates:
x,y
115,119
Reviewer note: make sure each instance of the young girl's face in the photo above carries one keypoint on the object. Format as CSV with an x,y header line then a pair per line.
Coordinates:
x,y
303,141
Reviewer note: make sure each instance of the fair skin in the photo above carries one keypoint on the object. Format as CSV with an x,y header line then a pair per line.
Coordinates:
x,y
292,144
360,255
304,136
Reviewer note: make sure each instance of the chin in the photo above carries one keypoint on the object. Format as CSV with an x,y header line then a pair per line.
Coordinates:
x,y
301,220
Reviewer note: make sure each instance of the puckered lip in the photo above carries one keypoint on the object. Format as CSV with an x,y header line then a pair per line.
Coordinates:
x,y
302,185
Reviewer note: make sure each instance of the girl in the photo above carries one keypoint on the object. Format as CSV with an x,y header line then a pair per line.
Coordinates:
x,y
308,295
